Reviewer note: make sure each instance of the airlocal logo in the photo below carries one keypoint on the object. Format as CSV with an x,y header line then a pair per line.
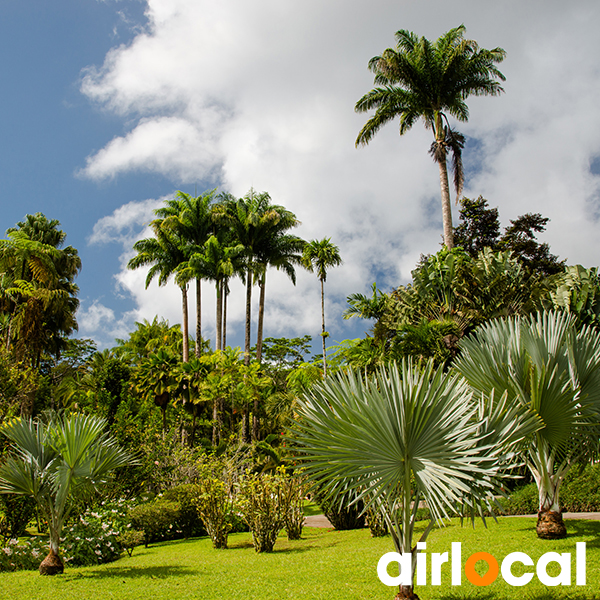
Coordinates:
x,y
438,559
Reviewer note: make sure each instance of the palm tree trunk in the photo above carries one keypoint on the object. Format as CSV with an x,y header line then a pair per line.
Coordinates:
x,y
215,417
446,206
186,338
225,294
198,317
248,315
323,334
218,344
52,564
255,420
261,317
550,524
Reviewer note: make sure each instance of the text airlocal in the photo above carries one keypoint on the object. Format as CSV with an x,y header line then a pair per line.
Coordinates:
x,y
494,569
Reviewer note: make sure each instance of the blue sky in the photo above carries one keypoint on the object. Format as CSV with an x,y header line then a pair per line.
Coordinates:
x,y
110,106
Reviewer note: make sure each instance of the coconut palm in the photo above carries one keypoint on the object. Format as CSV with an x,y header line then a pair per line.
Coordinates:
x,y
57,463
164,253
318,256
407,435
549,370
431,81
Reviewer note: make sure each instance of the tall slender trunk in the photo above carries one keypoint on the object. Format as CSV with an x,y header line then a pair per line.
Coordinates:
x,y
215,427
225,294
444,185
219,343
248,315
255,420
446,206
323,334
186,337
198,317
261,316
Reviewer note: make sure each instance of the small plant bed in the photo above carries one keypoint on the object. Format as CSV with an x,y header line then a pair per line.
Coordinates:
x,y
324,565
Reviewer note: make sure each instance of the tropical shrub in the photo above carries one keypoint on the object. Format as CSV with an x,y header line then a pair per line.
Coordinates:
x,y
21,555
341,513
18,511
376,522
157,519
130,539
293,492
189,521
215,507
91,540
522,501
262,505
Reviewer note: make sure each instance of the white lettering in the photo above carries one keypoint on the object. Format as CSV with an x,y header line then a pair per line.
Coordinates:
x,y
564,560
437,560
404,561
456,566
508,562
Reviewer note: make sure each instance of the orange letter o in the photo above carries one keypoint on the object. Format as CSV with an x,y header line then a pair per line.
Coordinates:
x,y
473,576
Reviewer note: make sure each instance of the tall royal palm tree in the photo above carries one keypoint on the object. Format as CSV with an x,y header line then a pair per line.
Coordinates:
x,y
282,251
318,256
164,253
191,218
251,220
218,261
431,81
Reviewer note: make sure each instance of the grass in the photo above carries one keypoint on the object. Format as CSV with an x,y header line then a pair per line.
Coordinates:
x,y
325,565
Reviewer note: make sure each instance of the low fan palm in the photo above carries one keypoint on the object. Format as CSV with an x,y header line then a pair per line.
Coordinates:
x,y
57,463
408,434
552,372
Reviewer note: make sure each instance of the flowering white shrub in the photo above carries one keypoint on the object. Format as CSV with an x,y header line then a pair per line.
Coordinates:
x,y
91,540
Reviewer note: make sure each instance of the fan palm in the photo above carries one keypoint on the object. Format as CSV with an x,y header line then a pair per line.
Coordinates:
x,y
318,256
57,463
423,80
408,434
549,370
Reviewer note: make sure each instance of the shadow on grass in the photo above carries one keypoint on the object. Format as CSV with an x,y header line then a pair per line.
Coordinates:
x,y
575,528
133,573
545,595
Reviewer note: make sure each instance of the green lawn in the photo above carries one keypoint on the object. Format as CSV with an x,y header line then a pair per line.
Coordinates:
x,y
325,565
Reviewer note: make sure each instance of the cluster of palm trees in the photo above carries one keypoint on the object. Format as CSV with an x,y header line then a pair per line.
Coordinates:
x,y
215,237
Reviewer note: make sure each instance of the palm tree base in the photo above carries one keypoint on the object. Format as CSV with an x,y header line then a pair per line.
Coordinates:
x,y
52,564
550,525
406,593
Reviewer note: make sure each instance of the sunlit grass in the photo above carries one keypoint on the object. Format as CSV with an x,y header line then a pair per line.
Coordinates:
x,y
325,565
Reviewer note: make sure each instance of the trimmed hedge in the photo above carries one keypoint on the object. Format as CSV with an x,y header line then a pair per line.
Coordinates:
x,y
580,492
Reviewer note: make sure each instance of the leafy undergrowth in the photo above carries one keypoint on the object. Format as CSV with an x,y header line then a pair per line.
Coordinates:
x,y
324,565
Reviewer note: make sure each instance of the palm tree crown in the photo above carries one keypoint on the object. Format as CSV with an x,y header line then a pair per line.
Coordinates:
x,y
423,80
